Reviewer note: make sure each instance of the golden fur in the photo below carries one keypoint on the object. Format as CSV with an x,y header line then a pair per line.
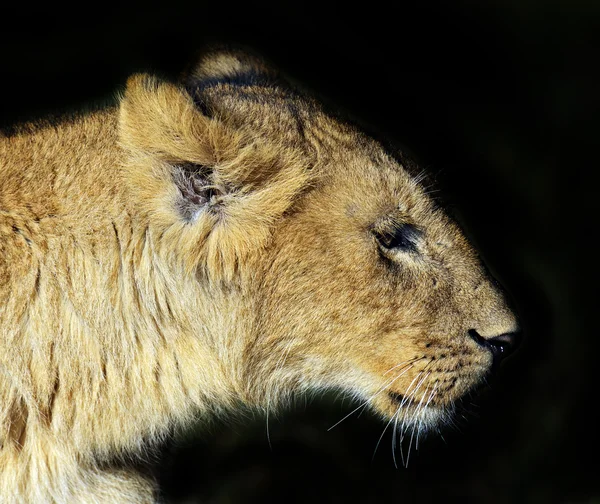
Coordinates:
x,y
208,243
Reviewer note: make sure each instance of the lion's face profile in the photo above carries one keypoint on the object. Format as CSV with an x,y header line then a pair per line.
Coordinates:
x,y
362,283
373,289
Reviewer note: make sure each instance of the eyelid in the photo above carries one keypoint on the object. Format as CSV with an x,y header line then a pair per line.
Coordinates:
x,y
396,235
403,237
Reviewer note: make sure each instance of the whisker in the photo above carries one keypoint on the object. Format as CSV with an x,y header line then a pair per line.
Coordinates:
x,y
412,394
409,446
404,420
394,439
382,434
414,359
431,395
419,406
406,397
389,384
365,403
401,449
419,421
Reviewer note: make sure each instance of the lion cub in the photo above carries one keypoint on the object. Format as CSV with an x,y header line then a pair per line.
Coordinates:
x,y
210,242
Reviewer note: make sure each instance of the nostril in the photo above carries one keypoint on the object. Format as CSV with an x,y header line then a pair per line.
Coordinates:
x,y
505,343
480,340
500,346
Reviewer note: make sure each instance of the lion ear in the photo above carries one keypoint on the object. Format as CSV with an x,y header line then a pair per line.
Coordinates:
x,y
172,147
212,191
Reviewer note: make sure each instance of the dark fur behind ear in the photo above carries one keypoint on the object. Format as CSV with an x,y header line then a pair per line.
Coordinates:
x,y
229,66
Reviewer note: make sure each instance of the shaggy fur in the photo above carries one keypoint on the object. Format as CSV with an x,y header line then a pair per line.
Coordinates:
x,y
210,242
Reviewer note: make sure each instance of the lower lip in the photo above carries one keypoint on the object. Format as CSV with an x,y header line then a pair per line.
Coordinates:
x,y
399,399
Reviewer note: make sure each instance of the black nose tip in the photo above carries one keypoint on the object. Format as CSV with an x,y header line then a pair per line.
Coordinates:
x,y
500,346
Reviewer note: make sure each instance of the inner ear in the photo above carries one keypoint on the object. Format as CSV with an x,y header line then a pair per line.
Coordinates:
x,y
197,190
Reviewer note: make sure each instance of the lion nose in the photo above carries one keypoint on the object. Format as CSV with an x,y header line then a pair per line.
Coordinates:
x,y
500,346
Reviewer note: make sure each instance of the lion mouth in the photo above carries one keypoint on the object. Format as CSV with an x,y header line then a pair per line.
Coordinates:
x,y
400,399
411,403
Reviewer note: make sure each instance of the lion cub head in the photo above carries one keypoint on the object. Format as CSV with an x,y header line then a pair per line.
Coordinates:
x,y
319,261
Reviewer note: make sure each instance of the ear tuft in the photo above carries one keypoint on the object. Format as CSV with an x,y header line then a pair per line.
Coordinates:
x,y
160,117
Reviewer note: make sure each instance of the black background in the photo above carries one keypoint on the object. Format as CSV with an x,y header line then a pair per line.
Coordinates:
x,y
499,100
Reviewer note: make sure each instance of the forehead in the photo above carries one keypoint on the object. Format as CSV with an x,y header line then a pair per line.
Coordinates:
x,y
356,170
360,174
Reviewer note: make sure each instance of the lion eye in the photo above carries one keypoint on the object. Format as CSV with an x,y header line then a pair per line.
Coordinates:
x,y
402,237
